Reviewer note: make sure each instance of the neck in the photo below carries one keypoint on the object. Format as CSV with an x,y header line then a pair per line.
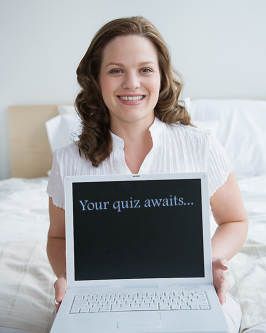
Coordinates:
x,y
137,143
132,132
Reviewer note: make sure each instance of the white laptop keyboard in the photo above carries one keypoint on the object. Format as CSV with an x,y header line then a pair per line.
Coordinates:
x,y
142,301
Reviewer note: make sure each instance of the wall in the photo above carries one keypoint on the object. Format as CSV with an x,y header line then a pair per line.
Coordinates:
x,y
218,46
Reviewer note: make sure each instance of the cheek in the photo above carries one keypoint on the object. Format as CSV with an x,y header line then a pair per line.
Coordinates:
x,y
106,89
155,85
108,93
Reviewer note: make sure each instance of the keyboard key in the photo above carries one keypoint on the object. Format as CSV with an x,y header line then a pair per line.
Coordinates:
x,y
195,307
185,307
177,293
120,309
175,307
78,297
204,307
120,302
199,303
164,306
94,309
126,305
151,294
151,307
116,306
169,293
84,309
106,308
74,310
111,302
77,302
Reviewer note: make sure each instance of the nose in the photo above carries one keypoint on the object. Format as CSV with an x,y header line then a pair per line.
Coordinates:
x,y
131,81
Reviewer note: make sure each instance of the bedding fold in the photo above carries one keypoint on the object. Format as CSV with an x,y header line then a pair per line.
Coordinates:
x,y
26,286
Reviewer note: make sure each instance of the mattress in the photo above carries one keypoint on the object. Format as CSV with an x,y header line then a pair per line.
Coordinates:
x,y
26,279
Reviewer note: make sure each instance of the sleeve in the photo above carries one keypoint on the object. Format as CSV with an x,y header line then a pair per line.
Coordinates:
x,y
55,187
219,165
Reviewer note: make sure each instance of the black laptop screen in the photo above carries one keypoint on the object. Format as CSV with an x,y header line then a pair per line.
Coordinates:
x,y
138,229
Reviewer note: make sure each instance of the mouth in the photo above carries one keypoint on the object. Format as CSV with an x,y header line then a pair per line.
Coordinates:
x,y
132,98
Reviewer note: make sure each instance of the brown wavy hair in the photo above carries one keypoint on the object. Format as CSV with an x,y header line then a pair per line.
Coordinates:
x,y
95,140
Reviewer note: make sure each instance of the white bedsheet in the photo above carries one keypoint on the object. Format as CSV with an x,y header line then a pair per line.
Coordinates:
x,y
23,209
253,192
26,279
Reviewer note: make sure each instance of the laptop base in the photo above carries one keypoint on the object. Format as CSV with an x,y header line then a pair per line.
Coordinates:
x,y
199,321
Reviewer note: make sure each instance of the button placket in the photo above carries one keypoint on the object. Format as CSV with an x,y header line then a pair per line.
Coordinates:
x,y
119,157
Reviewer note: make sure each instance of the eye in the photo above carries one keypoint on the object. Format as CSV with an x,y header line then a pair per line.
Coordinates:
x,y
146,70
115,71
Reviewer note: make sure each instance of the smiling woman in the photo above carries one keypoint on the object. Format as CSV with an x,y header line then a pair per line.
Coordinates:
x,y
132,123
127,58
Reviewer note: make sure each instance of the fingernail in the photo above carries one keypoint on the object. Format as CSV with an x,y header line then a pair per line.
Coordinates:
x,y
225,265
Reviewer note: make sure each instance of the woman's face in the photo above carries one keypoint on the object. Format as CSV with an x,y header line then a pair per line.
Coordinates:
x,y
130,80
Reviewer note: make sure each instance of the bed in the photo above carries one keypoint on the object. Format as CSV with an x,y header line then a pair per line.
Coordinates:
x,y
26,278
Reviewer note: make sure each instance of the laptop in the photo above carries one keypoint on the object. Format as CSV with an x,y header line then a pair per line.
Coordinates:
x,y
138,253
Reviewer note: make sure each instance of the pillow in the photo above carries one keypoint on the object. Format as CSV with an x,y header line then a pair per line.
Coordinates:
x,y
66,109
62,130
210,126
241,131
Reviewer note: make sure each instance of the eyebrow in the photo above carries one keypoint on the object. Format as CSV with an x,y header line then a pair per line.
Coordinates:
x,y
121,65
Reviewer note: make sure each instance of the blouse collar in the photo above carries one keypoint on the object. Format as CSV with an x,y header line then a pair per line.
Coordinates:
x,y
156,128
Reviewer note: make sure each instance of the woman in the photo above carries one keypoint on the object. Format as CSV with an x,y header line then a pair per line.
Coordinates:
x,y
132,123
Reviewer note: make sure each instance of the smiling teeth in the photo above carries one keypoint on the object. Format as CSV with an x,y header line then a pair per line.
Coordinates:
x,y
135,98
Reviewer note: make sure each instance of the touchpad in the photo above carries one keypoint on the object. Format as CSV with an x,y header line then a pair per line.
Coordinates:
x,y
139,319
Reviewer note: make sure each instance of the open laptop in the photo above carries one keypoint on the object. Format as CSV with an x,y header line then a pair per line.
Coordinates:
x,y
138,254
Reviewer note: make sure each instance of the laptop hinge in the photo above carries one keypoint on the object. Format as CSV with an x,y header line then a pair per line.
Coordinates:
x,y
128,287
185,286
115,287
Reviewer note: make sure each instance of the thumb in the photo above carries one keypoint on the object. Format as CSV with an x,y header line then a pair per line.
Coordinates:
x,y
60,286
224,264
220,263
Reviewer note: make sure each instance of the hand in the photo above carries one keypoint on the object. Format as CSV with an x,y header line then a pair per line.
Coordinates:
x,y
220,280
60,287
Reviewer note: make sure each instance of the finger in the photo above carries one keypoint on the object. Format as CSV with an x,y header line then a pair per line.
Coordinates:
x,y
221,296
221,263
222,290
57,305
224,265
57,300
60,289
60,292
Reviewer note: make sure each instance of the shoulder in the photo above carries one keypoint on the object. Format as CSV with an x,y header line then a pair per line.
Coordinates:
x,y
70,151
187,129
203,140
69,160
72,148
187,134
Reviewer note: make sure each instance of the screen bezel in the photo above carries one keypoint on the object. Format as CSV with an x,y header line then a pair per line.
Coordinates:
x,y
156,282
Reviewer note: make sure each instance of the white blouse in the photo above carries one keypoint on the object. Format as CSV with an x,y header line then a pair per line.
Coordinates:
x,y
176,148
